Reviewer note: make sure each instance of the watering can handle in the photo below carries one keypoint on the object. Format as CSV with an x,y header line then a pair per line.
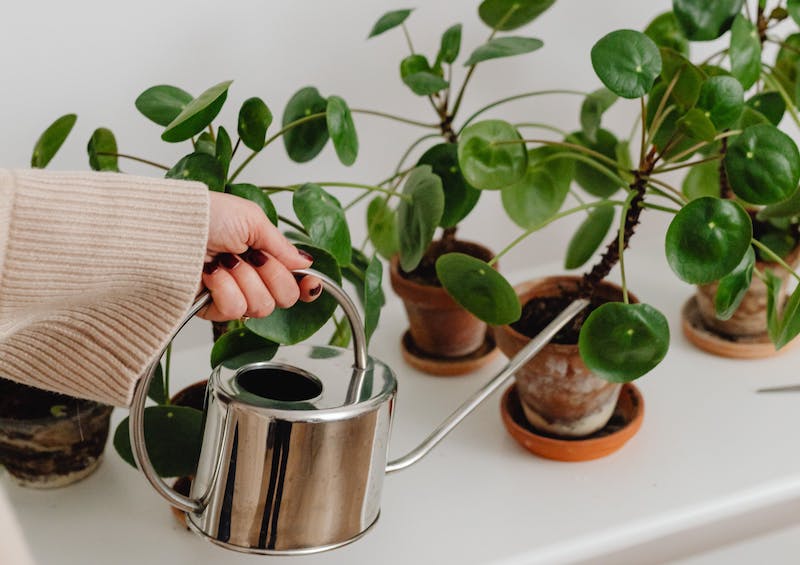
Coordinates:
x,y
136,424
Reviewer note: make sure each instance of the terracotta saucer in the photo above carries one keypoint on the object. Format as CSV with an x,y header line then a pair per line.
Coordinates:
x,y
451,366
750,347
623,425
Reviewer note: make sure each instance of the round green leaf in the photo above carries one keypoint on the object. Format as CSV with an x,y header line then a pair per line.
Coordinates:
x,y
459,197
163,103
414,63
627,61
487,161
697,125
507,15
702,180
590,179
342,130
200,167
450,46
254,120
418,214
589,236
745,52
707,239
388,21
197,114
592,110
763,165
500,47
425,83
621,342
734,286
173,435
479,288
305,141
102,149
721,99
770,104
254,194
51,140
234,343
293,325
382,227
665,31
223,149
702,20
324,220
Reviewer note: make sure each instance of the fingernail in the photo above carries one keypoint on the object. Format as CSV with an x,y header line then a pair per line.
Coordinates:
x,y
305,255
229,261
256,257
211,267
316,290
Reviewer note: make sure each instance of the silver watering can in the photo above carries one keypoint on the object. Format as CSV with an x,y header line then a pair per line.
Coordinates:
x,y
295,449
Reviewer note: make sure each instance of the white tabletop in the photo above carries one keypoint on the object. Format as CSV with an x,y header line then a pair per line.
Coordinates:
x,y
714,463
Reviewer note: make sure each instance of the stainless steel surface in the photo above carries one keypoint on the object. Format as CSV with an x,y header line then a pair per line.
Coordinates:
x,y
787,388
531,349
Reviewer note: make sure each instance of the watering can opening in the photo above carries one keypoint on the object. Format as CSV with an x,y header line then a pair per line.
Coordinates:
x,y
279,383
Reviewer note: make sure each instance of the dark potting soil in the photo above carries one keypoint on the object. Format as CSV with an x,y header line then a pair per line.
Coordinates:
x,y
20,402
425,273
538,312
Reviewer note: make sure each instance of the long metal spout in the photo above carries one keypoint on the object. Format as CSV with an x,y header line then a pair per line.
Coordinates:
x,y
531,349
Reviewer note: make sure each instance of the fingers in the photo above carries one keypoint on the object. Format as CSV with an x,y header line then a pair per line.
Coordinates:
x,y
266,237
274,276
228,301
259,298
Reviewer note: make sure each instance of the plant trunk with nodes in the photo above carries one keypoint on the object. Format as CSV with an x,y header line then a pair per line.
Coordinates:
x,y
724,186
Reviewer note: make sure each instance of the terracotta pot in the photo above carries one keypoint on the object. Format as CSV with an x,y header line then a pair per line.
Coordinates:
x,y
750,319
60,443
439,327
559,394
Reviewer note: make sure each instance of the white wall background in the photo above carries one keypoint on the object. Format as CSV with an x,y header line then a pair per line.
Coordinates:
x,y
94,57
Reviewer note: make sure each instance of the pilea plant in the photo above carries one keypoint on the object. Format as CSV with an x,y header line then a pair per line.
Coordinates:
x,y
689,117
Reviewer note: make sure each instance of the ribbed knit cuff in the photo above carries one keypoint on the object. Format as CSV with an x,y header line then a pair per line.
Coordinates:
x,y
98,269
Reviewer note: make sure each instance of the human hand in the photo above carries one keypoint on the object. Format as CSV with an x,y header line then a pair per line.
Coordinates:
x,y
248,263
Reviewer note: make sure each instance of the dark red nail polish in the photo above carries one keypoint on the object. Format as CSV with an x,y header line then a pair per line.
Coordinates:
x,y
229,261
211,267
305,255
256,258
316,290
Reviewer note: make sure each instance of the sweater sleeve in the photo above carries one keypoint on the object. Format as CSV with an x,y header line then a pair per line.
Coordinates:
x,y
96,270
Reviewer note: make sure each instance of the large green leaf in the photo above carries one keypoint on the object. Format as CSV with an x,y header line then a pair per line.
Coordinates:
x,y
722,100
770,104
589,178
388,21
51,140
197,114
293,325
665,31
173,435
324,220
507,15
200,167
419,212
254,194
163,103
588,237
707,239
492,155
734,286
621,342
503,47
102,149
763,165
305,141
450,46
459,196
690,78
382,227
745,52
233,343
627,61
702,180
704,20
479,288
373,296
254,120
592,110
342,130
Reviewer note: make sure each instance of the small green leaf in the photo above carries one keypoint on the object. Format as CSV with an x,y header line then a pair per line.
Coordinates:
x,y
479,288
589,178
779,241
51,140
690,79
241,340
542,191
254,120
787,65
157,392
745,52
697,125
750,117
707,239
373,296
589,236
592,110
785,209
305,141
342,130
197,114
419,212
173,435
770,104
425,83
733,286
382,227
223,150
507,15
793,7
200,167
414,63
451,45
254,194
388,21
790,321
665,31
627,61
500,47
206,144
102,149
324,220
702,20
721,99
491,155
459,196
702,180
621,342
163,103
763,165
